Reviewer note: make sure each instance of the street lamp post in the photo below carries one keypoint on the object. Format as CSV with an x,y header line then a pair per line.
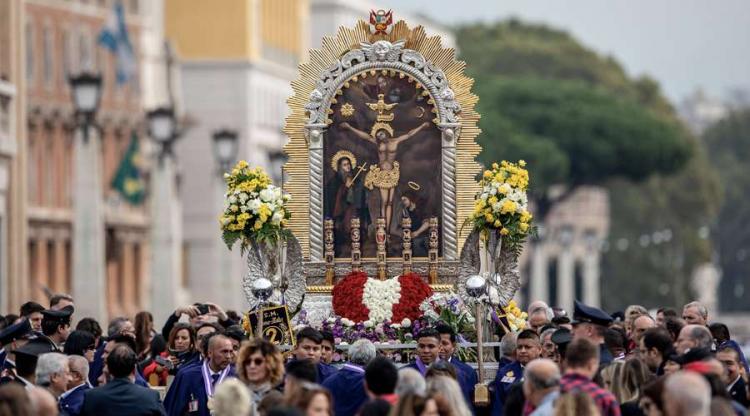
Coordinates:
x,y
225,147
88,215
86,91
166,215
162,127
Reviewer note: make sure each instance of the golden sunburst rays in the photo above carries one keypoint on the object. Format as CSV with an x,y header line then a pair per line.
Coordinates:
x,y
332,48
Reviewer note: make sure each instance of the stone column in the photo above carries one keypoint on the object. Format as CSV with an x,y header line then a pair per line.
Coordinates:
x,y
61,269
127,276
591,294
89,287
538,284
166,240
565,280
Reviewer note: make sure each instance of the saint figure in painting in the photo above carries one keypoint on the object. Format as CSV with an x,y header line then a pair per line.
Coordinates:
x,y
346,198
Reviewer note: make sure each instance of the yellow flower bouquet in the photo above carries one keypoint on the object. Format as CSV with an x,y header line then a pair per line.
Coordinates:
x,y
502,203
255,209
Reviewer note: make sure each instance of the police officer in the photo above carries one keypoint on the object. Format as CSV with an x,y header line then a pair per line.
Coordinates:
x,y
528,348
55,328
11,339
591,322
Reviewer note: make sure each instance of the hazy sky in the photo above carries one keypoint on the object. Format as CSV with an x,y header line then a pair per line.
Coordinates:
x,y
684,44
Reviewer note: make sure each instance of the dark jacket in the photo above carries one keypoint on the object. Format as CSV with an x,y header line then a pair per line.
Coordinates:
x,y
348,389
71,402
121,397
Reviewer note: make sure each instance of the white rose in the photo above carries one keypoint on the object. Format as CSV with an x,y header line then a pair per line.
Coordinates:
x,y
232,199
396,326
331,320
406,323
243,197
277,217
368,324
344,343
497,206
253,205
266,195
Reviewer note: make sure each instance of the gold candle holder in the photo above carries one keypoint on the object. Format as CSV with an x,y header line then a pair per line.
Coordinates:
x,y
406,244
380,238
329,251
356,253
433,251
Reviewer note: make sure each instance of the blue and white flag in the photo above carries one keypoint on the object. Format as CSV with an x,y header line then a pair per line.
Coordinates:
x,y
114,36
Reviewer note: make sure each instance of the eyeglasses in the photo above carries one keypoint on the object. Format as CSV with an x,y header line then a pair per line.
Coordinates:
x,y
256,361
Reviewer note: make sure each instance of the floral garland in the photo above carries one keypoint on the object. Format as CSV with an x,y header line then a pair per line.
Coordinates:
x,y
347,297
379,297
358,298
414,291
502,204
255,209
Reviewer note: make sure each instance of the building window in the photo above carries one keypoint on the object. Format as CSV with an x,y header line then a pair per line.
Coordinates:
x,y
49,61
29,53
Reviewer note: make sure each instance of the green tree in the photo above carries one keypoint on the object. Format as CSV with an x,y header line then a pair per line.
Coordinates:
x,y
578,119
728,145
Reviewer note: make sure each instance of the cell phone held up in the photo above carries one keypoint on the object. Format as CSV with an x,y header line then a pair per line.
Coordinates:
x,y
202,309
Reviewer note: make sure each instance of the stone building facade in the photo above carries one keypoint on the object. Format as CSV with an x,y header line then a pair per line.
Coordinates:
x,y
51,40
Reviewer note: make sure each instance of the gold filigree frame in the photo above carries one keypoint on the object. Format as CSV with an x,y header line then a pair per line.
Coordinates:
x,y
351,51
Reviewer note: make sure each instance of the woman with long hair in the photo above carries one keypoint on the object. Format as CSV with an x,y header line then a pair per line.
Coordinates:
x,y
179,352
451,392
575,404
313,399
628,387
144,332
261,367
417,405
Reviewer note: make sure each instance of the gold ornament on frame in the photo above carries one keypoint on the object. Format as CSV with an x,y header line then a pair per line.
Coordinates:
x,y
347,110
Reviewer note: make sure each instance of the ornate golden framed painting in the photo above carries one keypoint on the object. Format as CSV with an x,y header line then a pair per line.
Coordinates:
x,y
382,128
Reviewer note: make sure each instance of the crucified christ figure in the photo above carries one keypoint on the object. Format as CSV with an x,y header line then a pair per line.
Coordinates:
x,y
386,174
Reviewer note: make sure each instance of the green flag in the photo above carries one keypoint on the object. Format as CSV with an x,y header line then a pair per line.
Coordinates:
x,y
128,180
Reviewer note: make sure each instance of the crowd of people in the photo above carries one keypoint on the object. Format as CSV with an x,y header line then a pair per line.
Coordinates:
x,y
202,363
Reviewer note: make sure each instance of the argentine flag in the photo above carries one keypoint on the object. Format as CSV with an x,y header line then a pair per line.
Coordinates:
x,y
114,36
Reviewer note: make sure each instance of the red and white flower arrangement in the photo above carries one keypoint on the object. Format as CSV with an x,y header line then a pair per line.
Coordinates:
x,y
359,298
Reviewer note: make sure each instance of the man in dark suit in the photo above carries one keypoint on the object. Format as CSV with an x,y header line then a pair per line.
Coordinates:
x,y
735,383
120,396
467,377
193,388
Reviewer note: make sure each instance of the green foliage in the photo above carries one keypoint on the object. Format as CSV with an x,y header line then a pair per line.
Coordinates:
x,y
578,119
587,134
728,146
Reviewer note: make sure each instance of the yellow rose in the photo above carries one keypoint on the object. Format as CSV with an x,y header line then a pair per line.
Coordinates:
x,y
487,174
258,225
497,223
523,227
504,231
521,163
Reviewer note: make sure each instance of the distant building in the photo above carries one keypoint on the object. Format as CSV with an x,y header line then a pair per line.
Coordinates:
x,y
237,60
41,44
564,263
699,110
